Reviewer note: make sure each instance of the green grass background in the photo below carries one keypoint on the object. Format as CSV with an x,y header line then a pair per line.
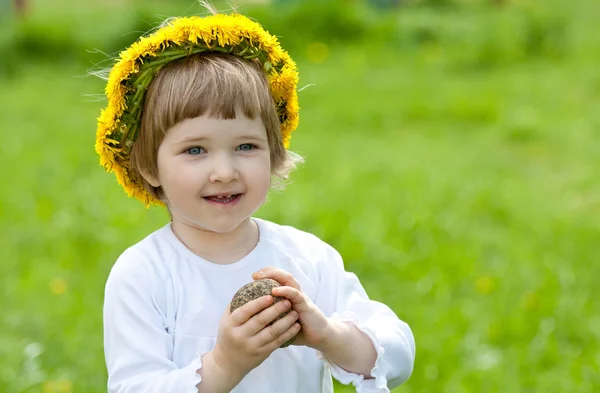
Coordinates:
x,y
452,157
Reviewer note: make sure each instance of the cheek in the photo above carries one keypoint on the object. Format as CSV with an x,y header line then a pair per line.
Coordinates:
x,y
173,174
256,171
262,169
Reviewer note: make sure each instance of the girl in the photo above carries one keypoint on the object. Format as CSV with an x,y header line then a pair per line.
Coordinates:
x,y
199,119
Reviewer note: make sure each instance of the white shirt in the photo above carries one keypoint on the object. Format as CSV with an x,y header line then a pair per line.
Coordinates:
x,y
163,304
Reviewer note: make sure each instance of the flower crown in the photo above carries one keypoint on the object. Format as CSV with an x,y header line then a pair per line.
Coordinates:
x,y
128,81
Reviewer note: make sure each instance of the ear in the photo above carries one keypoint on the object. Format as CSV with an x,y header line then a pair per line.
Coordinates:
x,y
150,178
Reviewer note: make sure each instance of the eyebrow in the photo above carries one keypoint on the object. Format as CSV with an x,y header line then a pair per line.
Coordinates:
x,y
198,139
191,139
252,138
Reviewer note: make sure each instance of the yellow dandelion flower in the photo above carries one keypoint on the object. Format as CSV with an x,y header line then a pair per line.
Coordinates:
x,y
485,285
64,386
49,387
317,52
58,286
281,84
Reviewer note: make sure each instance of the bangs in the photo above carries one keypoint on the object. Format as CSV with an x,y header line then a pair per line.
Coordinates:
x,y
213,84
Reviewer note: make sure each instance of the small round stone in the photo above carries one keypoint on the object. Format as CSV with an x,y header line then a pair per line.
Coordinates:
x,y
257,289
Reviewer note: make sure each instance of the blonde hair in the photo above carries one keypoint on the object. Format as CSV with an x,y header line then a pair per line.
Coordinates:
x,y
213,84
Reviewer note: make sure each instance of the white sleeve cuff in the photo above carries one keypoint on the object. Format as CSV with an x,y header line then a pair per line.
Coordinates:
x,y
378,383
190,375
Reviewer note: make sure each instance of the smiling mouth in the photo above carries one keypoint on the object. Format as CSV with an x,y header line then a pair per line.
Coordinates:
x,y
223,199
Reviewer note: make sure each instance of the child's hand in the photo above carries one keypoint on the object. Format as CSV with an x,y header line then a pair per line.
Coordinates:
x,y
244,340
314,324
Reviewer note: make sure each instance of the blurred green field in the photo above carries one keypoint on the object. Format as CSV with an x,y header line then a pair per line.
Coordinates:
x,y
452,157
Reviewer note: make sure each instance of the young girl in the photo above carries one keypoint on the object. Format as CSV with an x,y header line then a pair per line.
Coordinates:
x,y
199,119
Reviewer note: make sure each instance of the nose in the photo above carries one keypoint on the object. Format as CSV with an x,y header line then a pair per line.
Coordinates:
x,y
223,169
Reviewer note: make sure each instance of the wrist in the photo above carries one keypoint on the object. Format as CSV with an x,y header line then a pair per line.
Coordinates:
x,y
214,378
331,331
349,348
226,369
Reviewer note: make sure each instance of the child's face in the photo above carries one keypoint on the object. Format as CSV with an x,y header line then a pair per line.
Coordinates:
x,y
205,158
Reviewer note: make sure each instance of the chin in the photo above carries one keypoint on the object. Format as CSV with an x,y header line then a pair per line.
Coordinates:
x,y
221,227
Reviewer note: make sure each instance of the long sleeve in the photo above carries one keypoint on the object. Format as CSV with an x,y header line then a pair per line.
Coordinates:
x,y
137,345
346,300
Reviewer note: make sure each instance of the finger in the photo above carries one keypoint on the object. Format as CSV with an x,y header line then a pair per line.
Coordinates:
x,y
242,314
258,275
266,317
295,296
272,332
284,337
281,276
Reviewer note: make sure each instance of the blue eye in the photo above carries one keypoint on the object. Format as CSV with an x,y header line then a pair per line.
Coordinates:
x,y
246,147
194,151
